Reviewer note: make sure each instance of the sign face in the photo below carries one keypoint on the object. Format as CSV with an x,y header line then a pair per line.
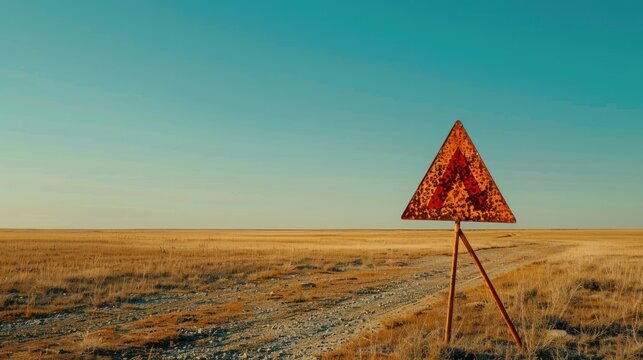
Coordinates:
x,y
458,186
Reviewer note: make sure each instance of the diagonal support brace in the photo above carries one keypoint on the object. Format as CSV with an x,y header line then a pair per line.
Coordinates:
x,y
501,307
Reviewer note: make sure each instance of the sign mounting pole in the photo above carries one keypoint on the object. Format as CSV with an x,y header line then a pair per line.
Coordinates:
x,y
454,265
458,187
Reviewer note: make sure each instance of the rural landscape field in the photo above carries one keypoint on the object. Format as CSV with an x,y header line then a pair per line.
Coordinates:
x,y
321,180
349,294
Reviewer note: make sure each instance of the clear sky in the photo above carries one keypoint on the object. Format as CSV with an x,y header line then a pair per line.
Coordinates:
x,y
305,114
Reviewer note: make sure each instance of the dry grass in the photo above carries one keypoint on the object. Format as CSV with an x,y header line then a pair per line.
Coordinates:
x,y
156,331
42,271
130,339
584,304
593,293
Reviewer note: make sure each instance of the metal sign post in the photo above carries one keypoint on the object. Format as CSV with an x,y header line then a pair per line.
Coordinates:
x,y
459,187
454,265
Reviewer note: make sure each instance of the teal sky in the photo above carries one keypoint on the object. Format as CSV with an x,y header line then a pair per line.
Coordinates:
x,y
302,114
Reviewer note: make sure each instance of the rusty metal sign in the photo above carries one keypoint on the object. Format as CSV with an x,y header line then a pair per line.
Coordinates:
x,y
458,186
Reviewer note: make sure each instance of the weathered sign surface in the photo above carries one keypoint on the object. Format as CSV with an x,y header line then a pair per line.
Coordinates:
x,y
458,186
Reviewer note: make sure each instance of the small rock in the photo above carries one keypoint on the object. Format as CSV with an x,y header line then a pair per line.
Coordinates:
x,y
558,334
477,305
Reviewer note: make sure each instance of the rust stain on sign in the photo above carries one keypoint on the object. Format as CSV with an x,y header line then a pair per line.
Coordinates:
x,y
458,186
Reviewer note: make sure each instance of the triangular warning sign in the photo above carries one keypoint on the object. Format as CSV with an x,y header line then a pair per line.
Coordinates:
x,y
458,186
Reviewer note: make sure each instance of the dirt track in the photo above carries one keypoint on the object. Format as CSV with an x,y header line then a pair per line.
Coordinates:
x,y
271,327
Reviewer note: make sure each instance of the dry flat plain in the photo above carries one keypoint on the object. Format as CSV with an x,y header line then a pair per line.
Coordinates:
x,y
358,294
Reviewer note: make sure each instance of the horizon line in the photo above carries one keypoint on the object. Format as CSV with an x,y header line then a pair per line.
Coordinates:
x,y
304,229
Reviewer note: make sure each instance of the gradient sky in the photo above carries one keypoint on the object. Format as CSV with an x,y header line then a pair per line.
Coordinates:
x,y
302,114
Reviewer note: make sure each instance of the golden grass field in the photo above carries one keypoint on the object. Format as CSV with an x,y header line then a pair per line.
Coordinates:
x,y
576,294
585,303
